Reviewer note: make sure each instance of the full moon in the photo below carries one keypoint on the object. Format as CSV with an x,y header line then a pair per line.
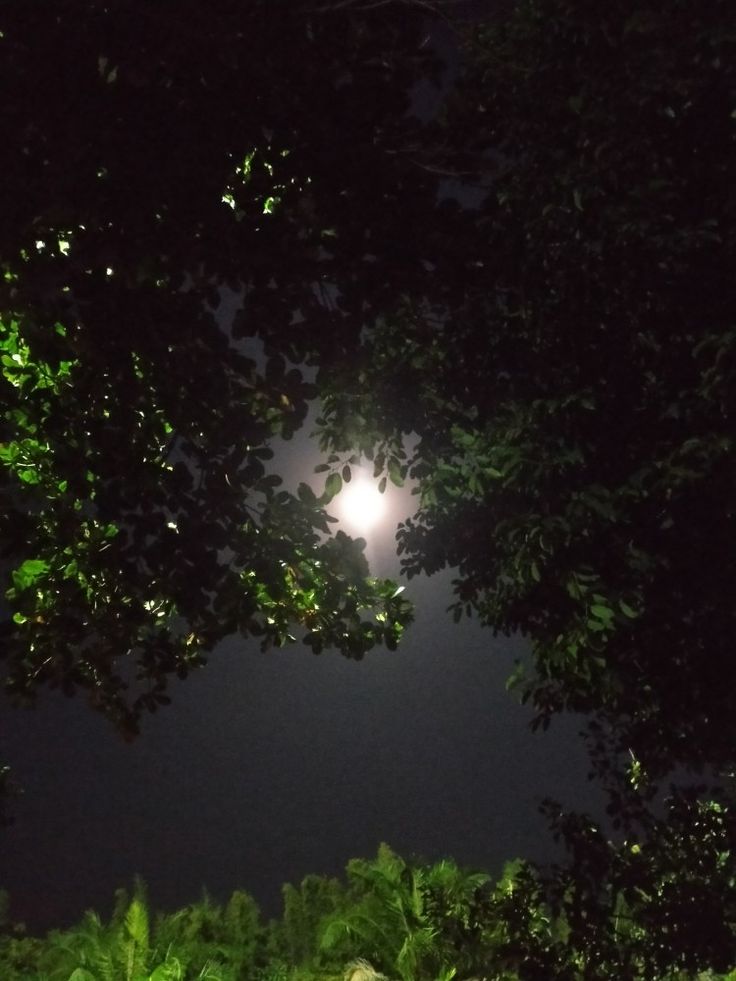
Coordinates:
x,y
360,505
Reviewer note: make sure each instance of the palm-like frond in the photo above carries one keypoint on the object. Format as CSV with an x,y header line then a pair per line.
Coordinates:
x,y
135,939
119,951
418,946
354,924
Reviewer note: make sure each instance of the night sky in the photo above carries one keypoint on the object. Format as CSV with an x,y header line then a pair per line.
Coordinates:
x,y
269,766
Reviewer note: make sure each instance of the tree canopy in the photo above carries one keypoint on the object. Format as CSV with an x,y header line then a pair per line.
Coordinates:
x,y
156,156
571,377
563,350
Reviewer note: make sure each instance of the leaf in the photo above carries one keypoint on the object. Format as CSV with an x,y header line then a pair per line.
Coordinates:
x,y
136,923
346,475
71,570
333,485
168,971
627,610
322,468
26,574
601,612
577,198
268,482
381,485
394,472
306,494
29,476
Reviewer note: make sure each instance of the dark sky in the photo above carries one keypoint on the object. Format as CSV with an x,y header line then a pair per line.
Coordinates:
x,y
270,766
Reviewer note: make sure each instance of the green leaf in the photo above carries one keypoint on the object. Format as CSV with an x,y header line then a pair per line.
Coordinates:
x,y
627,610
333,485
346,475
394,472
601,612
136,923
9,452
381,485
26,574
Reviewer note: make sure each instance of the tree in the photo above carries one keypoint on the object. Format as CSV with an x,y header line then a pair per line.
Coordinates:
x,y
570,380
207,937
95,951
201,942
656,905
405,917
297,935
188,151
571,374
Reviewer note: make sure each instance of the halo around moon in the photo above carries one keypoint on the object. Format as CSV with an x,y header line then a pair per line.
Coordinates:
x,y
359,505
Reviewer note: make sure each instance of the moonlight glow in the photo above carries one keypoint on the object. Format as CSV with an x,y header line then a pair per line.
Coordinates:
x,y
360,505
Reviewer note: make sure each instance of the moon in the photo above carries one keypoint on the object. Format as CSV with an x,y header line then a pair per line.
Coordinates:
x,y
360,505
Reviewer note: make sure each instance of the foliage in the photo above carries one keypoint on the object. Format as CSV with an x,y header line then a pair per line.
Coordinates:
x,y
198,943
304,908
19,953
571,375
569,383
118,951
659,905
400,914
215,938
186,157
564,351
562,355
